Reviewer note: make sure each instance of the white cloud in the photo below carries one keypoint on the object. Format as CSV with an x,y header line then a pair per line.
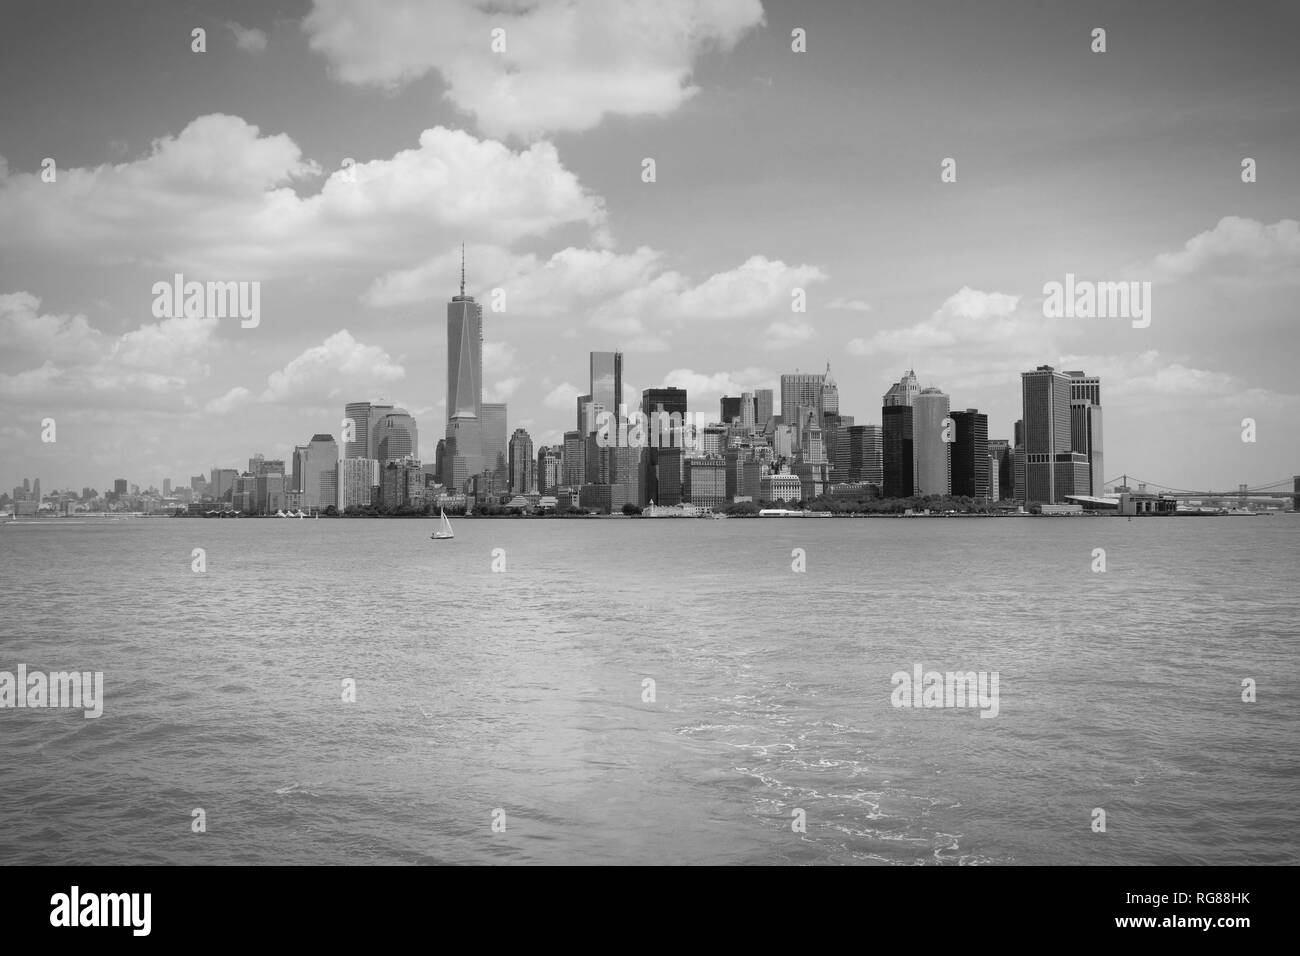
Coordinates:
x,y
150,360
217,198
237,397
970,319
25,331
502,390
338,367
563,397
565,65
247,38
1240,249
703,389
784,335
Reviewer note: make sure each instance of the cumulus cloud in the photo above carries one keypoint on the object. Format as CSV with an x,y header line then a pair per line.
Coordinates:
x,y
563,397
338,367
1238,248
970,318
247,38
26,331
564,66
702,387
75,358
219,197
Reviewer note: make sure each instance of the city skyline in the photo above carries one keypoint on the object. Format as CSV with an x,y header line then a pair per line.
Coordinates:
x,y
896,267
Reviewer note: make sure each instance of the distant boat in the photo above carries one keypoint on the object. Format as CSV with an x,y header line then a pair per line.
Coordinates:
x,y
281,514
444,531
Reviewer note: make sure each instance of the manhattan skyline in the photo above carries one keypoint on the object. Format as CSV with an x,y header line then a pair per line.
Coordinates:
x,y
238,175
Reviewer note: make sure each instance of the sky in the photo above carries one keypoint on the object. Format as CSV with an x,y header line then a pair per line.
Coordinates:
x,y
338,153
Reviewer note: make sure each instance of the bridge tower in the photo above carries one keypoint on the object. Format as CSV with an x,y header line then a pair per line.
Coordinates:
x,y
1295,499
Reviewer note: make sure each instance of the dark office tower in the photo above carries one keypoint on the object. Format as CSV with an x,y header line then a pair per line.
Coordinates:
x,y
663,430
859,455
1004,477
1046,397
1019,434
574,470
896,448
670,400
729,409
835,436
762,408
667,476
119,486
970,454
523,469
743,475
1085,427
439,453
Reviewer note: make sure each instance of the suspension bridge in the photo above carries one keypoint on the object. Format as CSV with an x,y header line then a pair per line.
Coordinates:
x,y
1282,488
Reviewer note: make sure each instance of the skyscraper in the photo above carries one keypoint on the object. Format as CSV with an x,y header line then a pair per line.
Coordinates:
x,y
357,478
549,463
394,435
319,472
931,451
830,399
464,450
859,455
1002,475
1046,399
574,465
902,392
896,448
801,389
762,408
1085,427
970,454
495,438
607,380
523,469
660,402
359,447
728,409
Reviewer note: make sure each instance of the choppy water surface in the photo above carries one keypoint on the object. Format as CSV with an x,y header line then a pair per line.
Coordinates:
x,y
522,690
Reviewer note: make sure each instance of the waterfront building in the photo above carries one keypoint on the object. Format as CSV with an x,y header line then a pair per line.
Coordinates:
x,y
896,450
970,454
705,482
931,453
523,469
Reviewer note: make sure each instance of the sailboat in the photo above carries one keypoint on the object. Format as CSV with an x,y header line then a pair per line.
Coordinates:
x,y
445,531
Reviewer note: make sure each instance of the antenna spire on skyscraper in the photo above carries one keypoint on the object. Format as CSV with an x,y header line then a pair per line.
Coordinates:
x,y
462,268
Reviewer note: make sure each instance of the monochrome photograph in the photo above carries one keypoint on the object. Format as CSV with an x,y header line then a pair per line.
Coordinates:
x,y
745,433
